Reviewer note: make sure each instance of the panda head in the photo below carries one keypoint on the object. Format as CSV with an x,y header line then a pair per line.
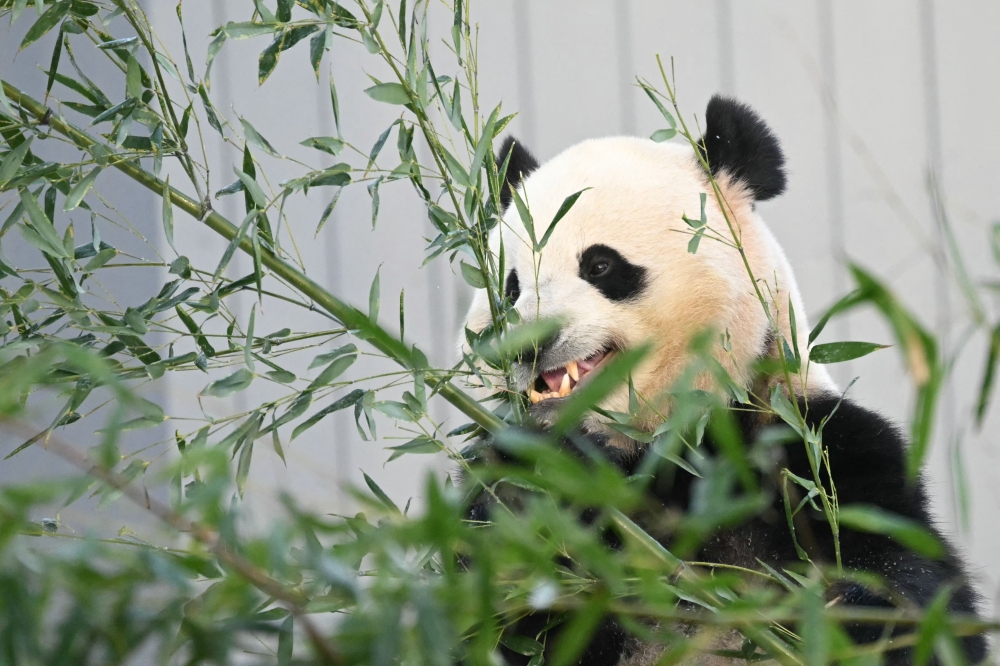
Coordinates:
x,y
617,273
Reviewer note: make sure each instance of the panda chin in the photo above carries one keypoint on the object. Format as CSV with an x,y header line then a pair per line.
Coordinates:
x,y
558,382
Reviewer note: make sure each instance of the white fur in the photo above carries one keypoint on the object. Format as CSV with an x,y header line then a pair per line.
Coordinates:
x,y
639,192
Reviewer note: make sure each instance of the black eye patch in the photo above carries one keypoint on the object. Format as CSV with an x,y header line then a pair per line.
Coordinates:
x,y
512,287
613,275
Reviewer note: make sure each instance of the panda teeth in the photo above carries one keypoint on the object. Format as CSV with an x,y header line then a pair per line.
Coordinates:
x,y
535,396
573,371
564,387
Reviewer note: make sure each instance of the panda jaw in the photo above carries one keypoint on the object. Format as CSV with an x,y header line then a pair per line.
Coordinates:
x,y
563,380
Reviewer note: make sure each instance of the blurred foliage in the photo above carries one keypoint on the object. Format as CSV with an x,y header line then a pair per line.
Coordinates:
x,y
388,585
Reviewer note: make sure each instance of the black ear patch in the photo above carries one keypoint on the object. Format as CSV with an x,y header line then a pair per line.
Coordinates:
x,y
739,143
521,164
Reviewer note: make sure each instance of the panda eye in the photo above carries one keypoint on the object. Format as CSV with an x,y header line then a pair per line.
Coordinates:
x,y
512,287
600,268
617,278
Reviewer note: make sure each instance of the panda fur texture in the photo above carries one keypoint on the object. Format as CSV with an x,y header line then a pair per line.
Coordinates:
x,y
617,273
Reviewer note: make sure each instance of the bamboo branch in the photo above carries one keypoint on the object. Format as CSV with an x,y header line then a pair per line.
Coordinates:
x,y
347,314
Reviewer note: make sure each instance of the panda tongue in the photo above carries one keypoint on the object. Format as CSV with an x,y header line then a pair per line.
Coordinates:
x,y
553,378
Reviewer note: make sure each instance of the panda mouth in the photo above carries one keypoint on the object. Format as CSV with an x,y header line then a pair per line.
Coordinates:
x,y
560,382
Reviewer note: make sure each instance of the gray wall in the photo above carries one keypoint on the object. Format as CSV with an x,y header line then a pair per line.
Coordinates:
x,y
867,99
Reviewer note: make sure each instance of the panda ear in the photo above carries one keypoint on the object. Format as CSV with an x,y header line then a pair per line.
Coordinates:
x,y
521,164
740,144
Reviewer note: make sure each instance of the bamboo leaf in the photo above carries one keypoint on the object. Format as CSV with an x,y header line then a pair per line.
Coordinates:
x,y
234,243
838,352
234,383
79,191
566,206
389,93
248,344
332,371
374,296
348,400
473,276
286,638
910,533
42,227
380,494
45,22
253,188
254,138
12,161
168,216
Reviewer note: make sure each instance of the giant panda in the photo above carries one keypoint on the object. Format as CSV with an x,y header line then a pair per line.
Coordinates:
x,y
617,272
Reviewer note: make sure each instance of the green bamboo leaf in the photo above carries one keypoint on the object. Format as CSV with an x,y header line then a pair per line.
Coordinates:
x,y
133,78
659,105
332,371
567,204
234,243
200,339
101,258
234,383
838,352
79,191
254,138
283,41
389,93
42,227
844,304
472,275
327,144
394,410
336,104
989,375
374,296
247,29
118,43
525,215
348,400
318,45
12,161
168,216
286,638
456,169
485,145
248,344
325,359
4,102
45,22
420,445
253,188
281,376
373,192
910,533
662,135
243,467
380,494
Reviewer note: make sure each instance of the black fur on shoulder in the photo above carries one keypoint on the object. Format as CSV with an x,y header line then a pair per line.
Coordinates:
x,y
740,144
868,458
521,164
